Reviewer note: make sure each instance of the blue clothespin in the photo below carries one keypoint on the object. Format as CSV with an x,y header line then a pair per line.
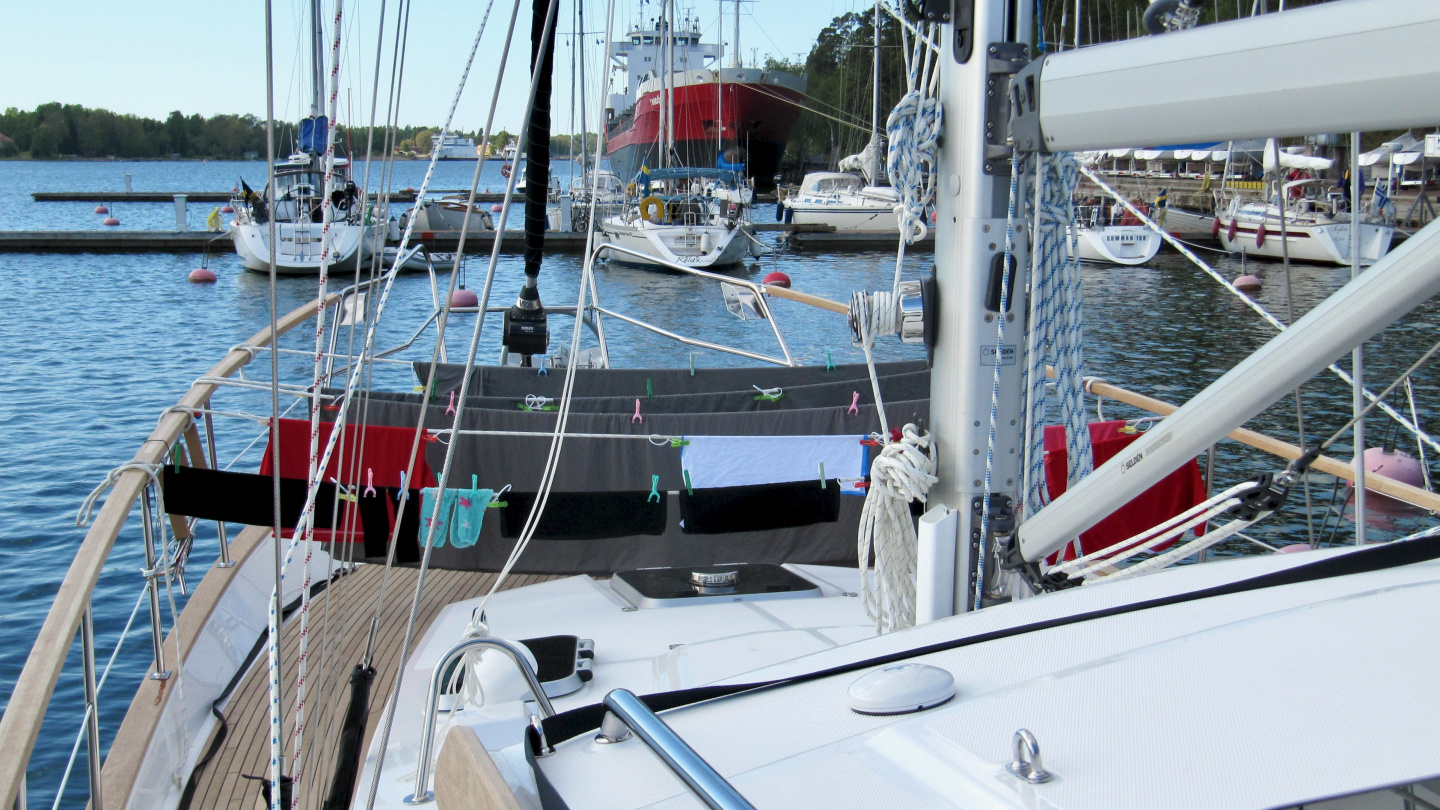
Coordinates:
x,y
654,489
688,490
402,479
542,371
829,364
692,364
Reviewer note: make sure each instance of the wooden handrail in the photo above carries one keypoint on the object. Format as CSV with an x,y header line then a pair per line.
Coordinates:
x,y
33,689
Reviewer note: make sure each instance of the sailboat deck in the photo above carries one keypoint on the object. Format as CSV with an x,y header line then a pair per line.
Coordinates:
x,y
332,655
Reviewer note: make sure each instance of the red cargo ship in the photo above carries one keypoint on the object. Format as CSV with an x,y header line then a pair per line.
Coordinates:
x,y
749,124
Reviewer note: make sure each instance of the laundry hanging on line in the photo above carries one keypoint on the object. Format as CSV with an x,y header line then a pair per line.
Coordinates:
x,y
1170,496
736,461
460,517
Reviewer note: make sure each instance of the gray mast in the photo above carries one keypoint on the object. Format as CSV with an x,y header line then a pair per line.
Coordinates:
x,y
735,60
972,197
317,60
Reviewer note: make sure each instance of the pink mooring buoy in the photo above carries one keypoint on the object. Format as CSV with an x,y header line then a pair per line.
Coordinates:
x,y
777,279
497,208
1249,283
1397,464
100,209
202,275
227,209
464,298
111,221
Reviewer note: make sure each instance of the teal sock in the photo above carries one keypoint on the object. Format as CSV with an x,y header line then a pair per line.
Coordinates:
x,y
470,507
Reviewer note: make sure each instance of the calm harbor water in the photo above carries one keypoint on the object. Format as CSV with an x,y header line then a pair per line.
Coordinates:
x,y
94,347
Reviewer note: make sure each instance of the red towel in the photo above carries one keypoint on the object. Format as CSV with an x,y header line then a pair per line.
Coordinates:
x,y
1173,494
386,453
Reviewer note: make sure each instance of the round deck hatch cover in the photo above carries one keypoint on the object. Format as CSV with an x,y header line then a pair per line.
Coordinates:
x,y
714,579
901,688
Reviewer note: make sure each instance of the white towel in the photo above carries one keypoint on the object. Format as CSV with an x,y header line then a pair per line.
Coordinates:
x,y
732,461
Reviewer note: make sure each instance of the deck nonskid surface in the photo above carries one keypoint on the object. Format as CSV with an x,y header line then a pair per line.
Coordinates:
x,y
333,652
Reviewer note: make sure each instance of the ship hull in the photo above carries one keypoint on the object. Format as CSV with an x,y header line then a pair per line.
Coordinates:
x,y
757,120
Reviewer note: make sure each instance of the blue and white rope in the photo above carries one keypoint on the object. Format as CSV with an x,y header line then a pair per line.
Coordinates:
x,y
1055,331
913,131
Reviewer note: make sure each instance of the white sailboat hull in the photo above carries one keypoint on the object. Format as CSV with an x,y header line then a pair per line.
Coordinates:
x,y
1327,243
701,246
870,210
301,245
1118,244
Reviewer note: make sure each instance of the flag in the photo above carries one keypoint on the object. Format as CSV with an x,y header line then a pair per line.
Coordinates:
x,y
644,178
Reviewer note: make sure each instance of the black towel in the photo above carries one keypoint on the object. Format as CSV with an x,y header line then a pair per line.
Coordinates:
x,y
586,515
235,497
761,507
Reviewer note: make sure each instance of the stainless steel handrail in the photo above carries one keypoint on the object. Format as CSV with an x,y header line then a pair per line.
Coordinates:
x,y
422,793
704,344
707,783
739,282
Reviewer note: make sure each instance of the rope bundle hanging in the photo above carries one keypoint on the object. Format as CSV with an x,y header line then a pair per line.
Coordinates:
x,y
1055,333
913,130
903,472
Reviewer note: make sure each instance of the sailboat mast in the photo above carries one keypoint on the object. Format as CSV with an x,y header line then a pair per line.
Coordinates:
x,y
317,60
875,82
971,202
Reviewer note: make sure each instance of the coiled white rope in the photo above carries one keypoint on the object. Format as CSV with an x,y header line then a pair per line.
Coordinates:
x,y
903,472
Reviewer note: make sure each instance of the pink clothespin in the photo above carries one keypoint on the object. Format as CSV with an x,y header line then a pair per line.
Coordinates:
x,y
637,417
451,408
369,483
854,404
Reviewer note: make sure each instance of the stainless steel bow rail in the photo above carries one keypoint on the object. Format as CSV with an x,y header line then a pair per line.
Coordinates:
x,y
422,793
707,783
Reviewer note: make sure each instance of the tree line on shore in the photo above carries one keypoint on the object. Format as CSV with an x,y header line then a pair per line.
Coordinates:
x,y
57,130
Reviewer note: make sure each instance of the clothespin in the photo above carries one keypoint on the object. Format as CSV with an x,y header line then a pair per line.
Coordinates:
x,y
677,441
451,408
369,483
688,490
649,391
542,371
829,364
768,394
654,490
692,364
495,502
335,403
345,495
854,409
474,481
822,475
637,417
402,480
419,389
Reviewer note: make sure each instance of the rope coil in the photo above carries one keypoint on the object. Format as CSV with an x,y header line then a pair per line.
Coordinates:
x,y
903,472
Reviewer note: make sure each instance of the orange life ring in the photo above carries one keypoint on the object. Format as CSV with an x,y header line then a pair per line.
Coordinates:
x,y
505,170
652,209
1260,236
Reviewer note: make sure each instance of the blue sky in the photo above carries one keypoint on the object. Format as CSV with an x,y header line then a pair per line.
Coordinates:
x,y
208,57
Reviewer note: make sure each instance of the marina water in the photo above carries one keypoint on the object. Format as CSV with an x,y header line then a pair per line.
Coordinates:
x,y
93,347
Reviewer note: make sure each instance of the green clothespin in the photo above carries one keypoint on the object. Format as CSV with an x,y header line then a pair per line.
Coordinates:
x,y
768,396
676,441
654,490
688,490
649,390
829,364
175,456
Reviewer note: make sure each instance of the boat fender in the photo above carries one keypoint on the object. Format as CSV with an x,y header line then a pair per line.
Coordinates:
x,y
1260,236
1230,233
705,244
1215,228
780,211
652,209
